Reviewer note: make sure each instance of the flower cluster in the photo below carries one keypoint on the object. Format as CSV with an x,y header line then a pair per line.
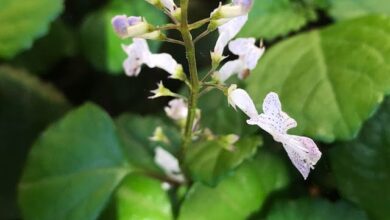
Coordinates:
x,y
228,19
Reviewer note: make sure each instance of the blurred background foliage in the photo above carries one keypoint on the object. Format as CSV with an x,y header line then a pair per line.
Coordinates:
x,y
328,59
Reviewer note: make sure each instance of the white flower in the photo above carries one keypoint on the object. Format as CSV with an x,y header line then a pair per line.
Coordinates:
x,y
302,151
126,27
169,164
138,54
227,32
248,56
177,109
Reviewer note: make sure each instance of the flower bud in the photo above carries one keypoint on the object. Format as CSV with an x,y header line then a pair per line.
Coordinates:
x,y
177,109
159,136
126,27
162,91
235,9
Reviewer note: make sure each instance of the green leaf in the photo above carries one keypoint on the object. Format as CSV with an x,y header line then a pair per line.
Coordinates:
x,y
238,195
101,45
142,198
329,80
27,106
318,209
209,161
361,166
347,9
59,43
21,22
272,18
135,132
73,168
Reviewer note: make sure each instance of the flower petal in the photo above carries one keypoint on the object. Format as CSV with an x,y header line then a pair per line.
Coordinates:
x,y
177,109
228,31
247,50
243,101
230,68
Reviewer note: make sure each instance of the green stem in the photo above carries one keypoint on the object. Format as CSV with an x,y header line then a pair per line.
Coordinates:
x,y
191,58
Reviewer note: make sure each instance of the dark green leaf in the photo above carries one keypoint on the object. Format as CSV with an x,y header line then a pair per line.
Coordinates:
x,y
73,168
272,18
238,195
23,21
60,42
209,161
27,106
362,166
347,9
142,198
101,45
330,80
309,209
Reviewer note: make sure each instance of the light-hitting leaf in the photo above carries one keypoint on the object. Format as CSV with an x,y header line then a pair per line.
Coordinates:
x,y
101,45
142,198
309,209
209,161
347,9
272,18
73,168
59,43
135,132
330,80
23,21
362,166
238,195
27,106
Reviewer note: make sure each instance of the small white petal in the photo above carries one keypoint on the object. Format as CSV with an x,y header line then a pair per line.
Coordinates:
x,y
228,31
243,101
169,4
177,109
247,51
163,61
230,68
168,163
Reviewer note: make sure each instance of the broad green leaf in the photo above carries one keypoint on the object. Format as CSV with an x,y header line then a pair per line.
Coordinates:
x,y
272,18
135,132
209,161
238,195
73,168
142,198
21,22
329,80
27,106
101,45
362,167
347,9
59,43
318,209
221,118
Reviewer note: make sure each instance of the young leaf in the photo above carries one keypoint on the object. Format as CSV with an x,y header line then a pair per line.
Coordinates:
x,y
97,30
209,161
361,166
18,32
308,209
73,168
347,9
329,80
238,195
27,106
270,19
141,197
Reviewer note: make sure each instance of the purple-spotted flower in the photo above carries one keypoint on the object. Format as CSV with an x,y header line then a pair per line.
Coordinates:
x,y
302,151
248,56
133,26
138,54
